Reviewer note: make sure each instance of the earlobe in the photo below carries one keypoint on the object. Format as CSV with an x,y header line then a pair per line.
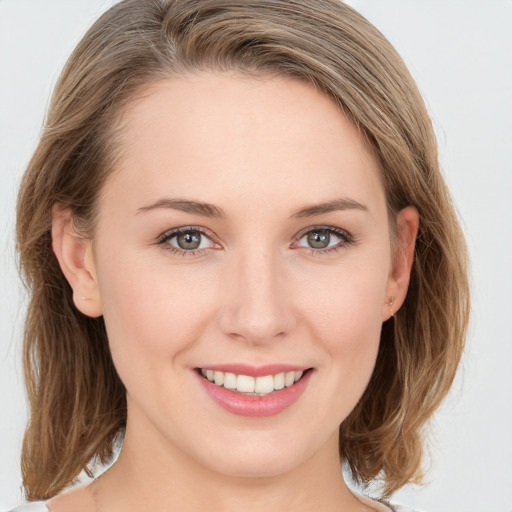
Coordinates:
x,y
400,272
75,257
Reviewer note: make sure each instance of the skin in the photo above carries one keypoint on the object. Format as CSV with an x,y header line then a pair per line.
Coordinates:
x,y
255,292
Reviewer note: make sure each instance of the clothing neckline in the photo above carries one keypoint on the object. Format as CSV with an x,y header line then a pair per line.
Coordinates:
x,y
375,505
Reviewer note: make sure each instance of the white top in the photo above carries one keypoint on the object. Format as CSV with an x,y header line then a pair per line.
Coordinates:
x,y
35,506
380,507
40,506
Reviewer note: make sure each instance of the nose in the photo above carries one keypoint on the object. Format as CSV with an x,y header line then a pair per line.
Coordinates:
x,y
257,306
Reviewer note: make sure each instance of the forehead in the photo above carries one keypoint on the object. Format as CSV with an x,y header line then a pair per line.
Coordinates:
x,y
237,136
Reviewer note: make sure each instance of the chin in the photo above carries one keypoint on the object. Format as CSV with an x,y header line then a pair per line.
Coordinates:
x,y
262,458
258,467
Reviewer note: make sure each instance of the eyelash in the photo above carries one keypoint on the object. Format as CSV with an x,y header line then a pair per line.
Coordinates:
x,y
169,235
346,240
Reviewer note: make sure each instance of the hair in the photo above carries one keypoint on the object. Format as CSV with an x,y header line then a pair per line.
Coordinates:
x,y
77,400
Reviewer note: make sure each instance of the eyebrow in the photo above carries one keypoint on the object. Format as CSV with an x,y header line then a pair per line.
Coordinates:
x,y
330,206
185,205
210,210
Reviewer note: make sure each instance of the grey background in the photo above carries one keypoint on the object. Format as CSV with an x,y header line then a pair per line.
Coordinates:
x,y
460,52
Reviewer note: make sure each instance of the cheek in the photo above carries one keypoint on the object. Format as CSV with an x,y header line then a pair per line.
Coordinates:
x,y
345,302
350,335
350,346
151,314
344,316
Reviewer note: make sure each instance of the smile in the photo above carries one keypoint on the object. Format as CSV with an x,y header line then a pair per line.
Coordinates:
x,y
249,385
268,391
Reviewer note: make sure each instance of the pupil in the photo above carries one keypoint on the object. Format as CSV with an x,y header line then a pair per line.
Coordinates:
x,y
189,240
319,239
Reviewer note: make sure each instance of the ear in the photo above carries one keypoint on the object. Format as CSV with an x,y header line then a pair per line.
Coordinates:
x,y
75,256
401,265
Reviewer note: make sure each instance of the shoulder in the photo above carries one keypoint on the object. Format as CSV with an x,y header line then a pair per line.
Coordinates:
x,y
379,506
401,508
76,500
35,506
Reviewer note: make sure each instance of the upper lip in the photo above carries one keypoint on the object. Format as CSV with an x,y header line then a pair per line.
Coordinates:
x,y
255,371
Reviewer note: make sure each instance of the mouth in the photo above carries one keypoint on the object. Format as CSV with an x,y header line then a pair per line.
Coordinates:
x,y
255,392
249,385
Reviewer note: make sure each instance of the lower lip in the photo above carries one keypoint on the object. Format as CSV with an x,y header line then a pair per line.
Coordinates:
x,y
256,406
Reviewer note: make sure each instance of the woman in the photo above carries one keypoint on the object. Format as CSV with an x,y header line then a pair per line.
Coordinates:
x,y
242,258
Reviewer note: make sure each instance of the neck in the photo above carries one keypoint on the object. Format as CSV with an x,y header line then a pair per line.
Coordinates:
x,y
154,475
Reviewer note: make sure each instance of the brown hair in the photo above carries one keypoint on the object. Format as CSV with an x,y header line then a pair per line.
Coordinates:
x,y
77,400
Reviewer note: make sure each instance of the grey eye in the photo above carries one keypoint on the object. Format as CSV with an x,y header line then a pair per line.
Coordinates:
x,y
324,238
188,240
319,238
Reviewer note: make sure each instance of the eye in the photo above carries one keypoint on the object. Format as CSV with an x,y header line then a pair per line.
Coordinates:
x,y
187,240
324,239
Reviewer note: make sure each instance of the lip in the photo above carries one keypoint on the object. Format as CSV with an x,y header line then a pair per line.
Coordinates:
x,y
255,406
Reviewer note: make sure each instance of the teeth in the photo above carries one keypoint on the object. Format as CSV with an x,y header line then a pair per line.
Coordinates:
x,y
245,384
218,378
279,381
252,385
230,380
264,384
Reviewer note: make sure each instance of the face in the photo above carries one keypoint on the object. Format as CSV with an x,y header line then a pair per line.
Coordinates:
x,y
244,239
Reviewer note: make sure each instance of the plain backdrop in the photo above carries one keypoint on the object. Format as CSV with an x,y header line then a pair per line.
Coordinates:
x,y
460,53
